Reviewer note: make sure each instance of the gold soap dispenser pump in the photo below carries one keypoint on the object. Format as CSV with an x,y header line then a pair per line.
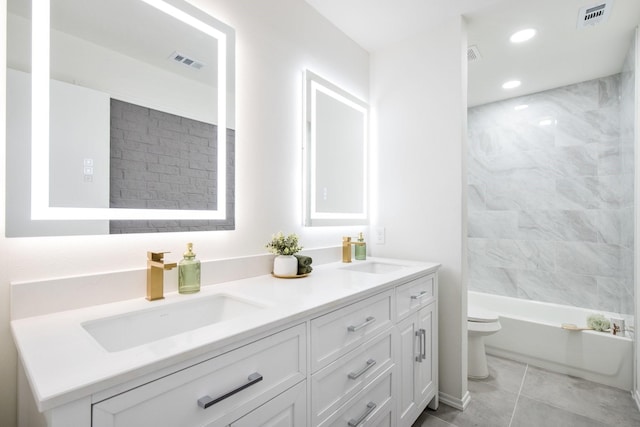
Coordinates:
x,y
189,272
361,248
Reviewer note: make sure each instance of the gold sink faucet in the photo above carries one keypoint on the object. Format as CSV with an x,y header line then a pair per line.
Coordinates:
x,y
346,248
155,274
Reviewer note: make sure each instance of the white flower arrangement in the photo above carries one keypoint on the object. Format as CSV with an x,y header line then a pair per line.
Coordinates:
x,y
282,245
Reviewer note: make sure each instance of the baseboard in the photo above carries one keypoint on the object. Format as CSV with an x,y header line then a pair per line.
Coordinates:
x,y
459,404
636,396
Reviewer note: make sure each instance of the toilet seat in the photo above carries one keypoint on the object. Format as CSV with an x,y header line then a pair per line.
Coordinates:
x,y
479,316
483,328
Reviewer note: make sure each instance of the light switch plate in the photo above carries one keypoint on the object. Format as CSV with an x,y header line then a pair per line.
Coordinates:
x,y
378,235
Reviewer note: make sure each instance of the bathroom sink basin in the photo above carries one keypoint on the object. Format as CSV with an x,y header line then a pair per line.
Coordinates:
x,y
144,326
375,267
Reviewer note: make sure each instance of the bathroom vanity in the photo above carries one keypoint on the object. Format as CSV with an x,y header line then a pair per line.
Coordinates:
x,y
349,345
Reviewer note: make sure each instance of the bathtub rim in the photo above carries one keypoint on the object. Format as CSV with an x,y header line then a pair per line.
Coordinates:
x,y
511,344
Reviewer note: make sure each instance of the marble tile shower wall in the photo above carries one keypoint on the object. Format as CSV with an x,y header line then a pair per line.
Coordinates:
x,y
550,197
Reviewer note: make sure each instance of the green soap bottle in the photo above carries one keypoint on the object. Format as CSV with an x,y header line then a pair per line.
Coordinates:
x,y
189,272
361,248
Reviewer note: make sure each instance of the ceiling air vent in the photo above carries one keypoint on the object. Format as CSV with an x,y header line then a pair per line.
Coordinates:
x,y
473,54
595,14
185,60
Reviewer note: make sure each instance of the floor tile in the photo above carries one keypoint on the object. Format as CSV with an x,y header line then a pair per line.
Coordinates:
x,y
504,373
531,413
518,395
606,404
489,407
426,420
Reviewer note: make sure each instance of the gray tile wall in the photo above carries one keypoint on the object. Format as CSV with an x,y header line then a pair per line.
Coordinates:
x,y
164,161
550,197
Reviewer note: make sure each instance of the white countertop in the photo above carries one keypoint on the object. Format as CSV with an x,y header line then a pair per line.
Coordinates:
x,y
64,363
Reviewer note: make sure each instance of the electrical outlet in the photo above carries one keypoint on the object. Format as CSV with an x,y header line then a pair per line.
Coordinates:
x,y
378,235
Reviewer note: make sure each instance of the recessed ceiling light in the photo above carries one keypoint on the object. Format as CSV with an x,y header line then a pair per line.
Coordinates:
x,y
511,84
522,35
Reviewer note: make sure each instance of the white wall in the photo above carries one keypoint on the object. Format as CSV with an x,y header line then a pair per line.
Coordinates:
x,y
418,97
636,264
276,41
8,359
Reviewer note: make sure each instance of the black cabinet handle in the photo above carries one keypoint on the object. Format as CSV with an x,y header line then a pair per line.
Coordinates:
x,y
205,402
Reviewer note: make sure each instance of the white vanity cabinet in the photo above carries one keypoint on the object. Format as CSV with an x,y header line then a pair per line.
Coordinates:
x,y
417,334
217,391
363,353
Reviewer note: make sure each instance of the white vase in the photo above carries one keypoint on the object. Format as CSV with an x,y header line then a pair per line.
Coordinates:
x,y
285,265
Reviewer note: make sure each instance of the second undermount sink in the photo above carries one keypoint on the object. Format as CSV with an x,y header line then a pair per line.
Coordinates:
x,y
375,267
144,326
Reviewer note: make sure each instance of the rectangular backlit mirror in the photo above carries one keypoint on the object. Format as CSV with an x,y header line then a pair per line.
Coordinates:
x,y
336,155
129,114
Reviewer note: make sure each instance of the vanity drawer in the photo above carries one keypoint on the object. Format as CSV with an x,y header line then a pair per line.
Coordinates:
x,y
415,294
341,380
229,386
369,406
383,419
340,331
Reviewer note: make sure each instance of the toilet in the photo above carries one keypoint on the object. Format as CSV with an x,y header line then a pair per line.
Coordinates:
x,y
480,323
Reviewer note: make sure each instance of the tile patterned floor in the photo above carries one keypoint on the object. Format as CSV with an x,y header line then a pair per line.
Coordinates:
x,y
519,395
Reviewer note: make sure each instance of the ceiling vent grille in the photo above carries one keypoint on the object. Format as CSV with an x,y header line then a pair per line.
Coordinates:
x,y
473,54
185,60
590,16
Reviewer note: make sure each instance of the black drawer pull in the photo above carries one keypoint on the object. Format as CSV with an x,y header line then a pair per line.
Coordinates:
x,y
205,402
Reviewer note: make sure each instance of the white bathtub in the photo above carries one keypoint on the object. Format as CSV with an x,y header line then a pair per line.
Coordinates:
x,y
531,334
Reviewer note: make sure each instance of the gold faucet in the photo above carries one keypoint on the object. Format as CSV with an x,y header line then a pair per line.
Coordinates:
x,y
346,248
155,274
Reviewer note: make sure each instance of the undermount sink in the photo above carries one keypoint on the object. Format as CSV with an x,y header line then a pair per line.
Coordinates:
x,y
144,326
375,267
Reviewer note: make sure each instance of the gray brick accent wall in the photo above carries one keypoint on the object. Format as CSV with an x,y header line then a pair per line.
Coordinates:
x,y
164,161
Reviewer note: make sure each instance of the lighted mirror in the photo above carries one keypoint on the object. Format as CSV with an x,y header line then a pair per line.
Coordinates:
x,y
336,157
120,118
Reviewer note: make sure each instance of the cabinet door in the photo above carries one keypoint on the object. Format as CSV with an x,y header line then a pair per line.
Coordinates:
x,y
425,375
285,410
418,363
407,351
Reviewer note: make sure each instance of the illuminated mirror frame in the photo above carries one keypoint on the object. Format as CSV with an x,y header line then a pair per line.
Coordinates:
x,y
314,84
40,209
